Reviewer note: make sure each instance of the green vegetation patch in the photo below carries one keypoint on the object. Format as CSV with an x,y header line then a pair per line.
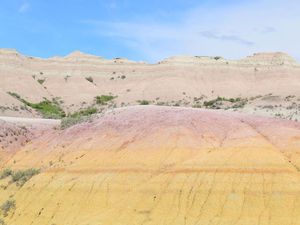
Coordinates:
x,y
15,95
217,103
5,173
19,177
7,206
84,112
104,99
49,109
143,102
77,117
197,106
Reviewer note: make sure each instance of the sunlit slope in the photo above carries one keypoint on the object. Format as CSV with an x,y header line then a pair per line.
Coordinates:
x,y
160,165
262,84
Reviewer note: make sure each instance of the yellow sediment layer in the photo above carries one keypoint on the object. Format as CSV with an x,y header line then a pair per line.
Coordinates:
x,y
168,176
243,186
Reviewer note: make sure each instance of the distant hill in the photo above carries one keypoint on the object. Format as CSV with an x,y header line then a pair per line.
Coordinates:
x,y
264,84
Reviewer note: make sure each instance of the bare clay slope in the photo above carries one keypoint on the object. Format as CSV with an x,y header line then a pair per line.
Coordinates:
x,y
186,81
161,165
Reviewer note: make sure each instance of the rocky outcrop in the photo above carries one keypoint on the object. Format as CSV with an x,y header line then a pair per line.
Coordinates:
x,y
217,60
269,59
258,59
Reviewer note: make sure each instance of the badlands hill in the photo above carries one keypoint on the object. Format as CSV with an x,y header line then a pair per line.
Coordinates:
x,y
213,141
158,165
264,84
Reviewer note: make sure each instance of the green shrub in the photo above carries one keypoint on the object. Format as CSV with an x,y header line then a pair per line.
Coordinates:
x,y
232,100
84,112
7,206
47,108
216,103
77,117
210,103
20,177
6,173
41,81
15,95
104,99
197,106
143,102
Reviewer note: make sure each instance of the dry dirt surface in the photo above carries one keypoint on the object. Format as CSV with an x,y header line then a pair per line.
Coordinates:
x,y
16,132
262,84
12,137
160,165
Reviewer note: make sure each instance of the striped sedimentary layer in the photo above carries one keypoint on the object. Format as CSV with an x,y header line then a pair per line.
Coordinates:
x,y
161,165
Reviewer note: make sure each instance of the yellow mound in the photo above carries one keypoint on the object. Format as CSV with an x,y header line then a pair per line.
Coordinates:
x,y
160,165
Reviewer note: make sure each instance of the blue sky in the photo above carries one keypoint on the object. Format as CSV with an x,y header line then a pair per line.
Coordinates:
x,y
150,30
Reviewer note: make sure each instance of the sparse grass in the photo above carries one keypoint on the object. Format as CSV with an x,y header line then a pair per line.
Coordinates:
x,y
197,106
2,222
7,206
47,108
20,177
162,103
71,121
6,173
255,97
78,117
218,102
143,102
84,112
15,95
240,104
212,103
104,99
198,99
